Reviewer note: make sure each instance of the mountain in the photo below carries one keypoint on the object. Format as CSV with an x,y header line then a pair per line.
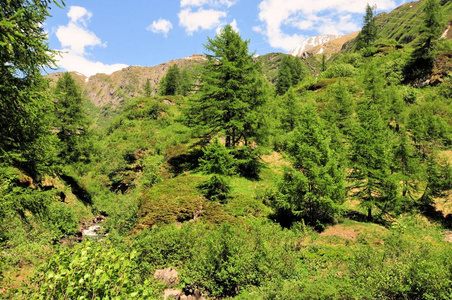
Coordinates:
x,y
333,46
404,23
112,89
311,43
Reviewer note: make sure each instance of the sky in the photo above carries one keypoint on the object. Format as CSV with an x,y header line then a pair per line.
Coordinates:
x,y
104,36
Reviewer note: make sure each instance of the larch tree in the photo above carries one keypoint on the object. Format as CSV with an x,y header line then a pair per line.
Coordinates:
x,y
24,103
421,62
170,84
369,31
231,91
314,190
71,120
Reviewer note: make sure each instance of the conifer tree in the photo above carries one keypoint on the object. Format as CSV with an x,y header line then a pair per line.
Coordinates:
x,y
369,31
290,73
147,88
231,92
315,189
421,62
24,104
186,83
72,123
372,159
170,84
284,78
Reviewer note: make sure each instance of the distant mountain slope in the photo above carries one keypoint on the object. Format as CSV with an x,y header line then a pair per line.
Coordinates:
x,y
311,43
333,46
104,89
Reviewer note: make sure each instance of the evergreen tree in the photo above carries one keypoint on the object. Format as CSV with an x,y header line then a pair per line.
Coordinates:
x,y
147,88
24,135
369,31
290,73
290,111
171,83
284,77
72,123
186,83
421,62
231,92
342,106
407,167
314,191
372,159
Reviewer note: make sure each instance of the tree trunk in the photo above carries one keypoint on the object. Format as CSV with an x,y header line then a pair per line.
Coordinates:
x,y
369,214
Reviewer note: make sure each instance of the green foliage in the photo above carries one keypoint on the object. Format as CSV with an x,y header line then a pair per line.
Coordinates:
x,y
71,121
216,159
372,158
420,64
403,269
315,190
231,91
25,138
170,84
339,70
290,73
231,258
217,188
147,88
368,34
247,162
89,270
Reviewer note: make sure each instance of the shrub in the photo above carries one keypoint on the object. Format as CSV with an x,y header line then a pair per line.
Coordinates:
x,y
88,271
339,70
217,188
216,160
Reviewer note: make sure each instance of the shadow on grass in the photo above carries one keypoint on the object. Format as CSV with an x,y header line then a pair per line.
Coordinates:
x,y
434,215
80,192
185,161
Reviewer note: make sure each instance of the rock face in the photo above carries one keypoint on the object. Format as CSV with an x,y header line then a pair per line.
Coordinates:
x,y
171,294
169,276
104,89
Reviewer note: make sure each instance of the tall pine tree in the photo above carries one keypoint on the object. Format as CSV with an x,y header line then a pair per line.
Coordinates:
x,y
368,34
71,123
231,93
24,104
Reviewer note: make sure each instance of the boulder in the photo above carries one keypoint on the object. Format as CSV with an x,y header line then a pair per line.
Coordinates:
x,y
169,276
171,294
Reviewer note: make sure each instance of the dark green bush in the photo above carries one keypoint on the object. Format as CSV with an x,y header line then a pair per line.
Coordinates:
x,y
217,188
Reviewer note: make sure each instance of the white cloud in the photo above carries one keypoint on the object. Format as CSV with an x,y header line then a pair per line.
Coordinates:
x,y
184,3
212,3
78,13
75,37
204,19
161,26
325,17
208,16
233,25
73,62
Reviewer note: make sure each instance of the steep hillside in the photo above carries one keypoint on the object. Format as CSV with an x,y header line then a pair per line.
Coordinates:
x,y
405,22
104,89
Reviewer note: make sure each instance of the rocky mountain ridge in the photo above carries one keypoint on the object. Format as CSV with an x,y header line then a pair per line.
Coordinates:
x,y
129,82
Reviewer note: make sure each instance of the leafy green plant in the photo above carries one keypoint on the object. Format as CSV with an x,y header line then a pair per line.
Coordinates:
x,y
89,270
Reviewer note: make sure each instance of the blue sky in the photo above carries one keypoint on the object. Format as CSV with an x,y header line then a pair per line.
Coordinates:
x,y
103,36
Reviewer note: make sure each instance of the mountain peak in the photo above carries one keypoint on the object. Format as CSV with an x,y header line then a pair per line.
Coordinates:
x,y
311,43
